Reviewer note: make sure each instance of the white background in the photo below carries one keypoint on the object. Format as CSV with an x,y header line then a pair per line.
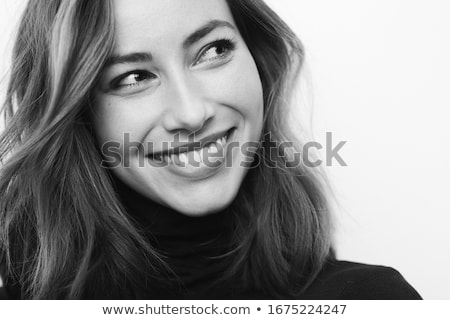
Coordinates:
x,y
380,72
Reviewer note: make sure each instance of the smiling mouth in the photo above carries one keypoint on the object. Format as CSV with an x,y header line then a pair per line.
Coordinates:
x,y
210,145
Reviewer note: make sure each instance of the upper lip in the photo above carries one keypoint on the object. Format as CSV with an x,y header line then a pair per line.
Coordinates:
x,y
178,147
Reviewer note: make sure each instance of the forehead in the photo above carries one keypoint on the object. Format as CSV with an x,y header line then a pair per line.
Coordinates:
x,y
163,21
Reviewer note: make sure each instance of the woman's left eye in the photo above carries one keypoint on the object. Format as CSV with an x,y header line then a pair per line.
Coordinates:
x,y
216,50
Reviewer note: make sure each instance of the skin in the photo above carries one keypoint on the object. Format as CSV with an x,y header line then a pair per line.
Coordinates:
x,y
199,88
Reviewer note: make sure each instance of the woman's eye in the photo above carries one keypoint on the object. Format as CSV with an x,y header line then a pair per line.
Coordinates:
x,y
219,49
137,79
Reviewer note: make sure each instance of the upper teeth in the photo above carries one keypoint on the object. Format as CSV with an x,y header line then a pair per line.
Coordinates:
x,y
196,155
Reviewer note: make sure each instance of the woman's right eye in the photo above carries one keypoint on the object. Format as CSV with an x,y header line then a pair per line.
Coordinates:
x,y
133,81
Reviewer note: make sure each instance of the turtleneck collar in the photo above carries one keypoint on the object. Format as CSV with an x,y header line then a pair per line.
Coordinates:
x,y
192,245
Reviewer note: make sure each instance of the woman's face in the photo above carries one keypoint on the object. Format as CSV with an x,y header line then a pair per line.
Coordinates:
x,y
180,76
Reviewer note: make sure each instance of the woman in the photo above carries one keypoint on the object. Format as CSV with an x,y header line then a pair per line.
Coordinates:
x,y
143,158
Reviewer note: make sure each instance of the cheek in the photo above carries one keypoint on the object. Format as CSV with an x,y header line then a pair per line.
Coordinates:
x,y
106,122
239,86
113,117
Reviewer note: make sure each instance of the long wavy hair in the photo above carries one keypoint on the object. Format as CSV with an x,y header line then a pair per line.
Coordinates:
x,y
63,231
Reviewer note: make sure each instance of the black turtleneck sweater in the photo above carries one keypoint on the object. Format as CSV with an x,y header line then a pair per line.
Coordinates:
x,y
193,247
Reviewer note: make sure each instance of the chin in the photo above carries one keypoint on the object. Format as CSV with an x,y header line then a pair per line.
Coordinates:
x,y
202,207
203,204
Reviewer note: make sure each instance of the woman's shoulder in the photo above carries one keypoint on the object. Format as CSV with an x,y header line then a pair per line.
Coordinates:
x,y
345,280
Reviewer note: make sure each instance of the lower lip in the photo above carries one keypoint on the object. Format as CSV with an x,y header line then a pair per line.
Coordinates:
x,y
201,170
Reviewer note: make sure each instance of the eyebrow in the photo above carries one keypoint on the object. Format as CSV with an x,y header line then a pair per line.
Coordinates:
x,y
142,57
205,30
135,57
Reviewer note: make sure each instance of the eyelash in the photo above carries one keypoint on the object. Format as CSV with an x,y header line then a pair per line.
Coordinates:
x,y
228,45
115,84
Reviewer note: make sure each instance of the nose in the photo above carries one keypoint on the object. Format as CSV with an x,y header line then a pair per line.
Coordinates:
x,y
186,109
